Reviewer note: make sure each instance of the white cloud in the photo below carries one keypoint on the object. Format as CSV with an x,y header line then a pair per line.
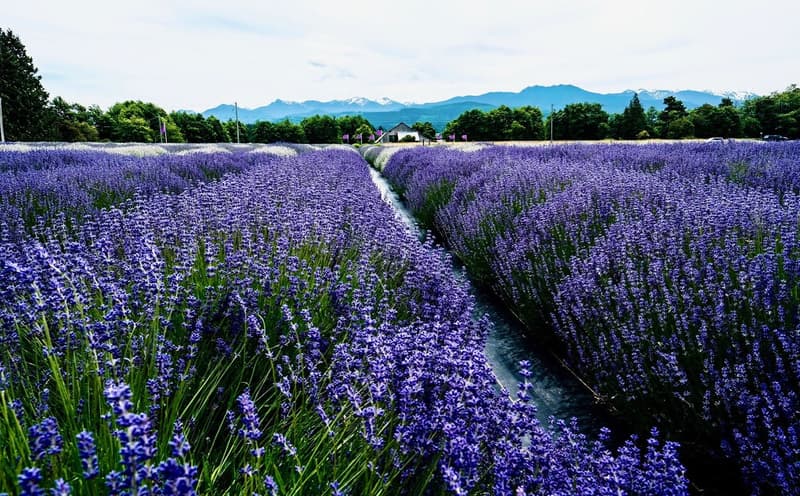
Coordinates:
x,y
195,55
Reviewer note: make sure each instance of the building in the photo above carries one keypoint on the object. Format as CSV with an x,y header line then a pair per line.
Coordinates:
x,y
399,132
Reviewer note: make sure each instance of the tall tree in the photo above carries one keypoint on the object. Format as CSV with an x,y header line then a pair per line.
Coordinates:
x,y
194,127
138,121
321,129
218,132
633,120
674,110
426,129
583,121
71,122
500,122
349,124
527,123
290,133
474,123
25,112
237,131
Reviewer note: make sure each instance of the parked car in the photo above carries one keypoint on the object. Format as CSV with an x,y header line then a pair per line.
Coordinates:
x,y
774,137
716,139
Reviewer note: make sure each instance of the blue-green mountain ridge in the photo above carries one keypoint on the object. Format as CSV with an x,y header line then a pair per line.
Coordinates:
x,y
387,113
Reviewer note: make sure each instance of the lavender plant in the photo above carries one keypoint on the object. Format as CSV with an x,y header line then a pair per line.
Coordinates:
x,y
666,273
38,186
277,331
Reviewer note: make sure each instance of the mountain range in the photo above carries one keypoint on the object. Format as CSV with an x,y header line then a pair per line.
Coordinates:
x,y
387,113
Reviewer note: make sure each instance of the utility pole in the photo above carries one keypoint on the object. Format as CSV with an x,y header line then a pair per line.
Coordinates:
x,y
552,118
236,106
2,133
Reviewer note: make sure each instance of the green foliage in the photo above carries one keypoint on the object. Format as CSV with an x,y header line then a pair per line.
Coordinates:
x,y
426,129
364,130
321,129
679,128
137,121
527,124
474,123
579,121
234,129
502,123
711,121
352,125
674,110
633,120
72,122
193,127
409,138
272,132
24,99
197,129
778,113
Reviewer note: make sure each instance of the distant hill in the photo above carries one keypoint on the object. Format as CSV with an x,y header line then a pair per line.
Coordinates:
x,y
387,113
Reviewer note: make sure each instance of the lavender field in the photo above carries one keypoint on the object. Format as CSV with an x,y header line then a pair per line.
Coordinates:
x,y
668,276
257,323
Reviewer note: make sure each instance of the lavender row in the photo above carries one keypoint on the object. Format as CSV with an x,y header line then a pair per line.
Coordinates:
x,y
670,286
40,185
276,331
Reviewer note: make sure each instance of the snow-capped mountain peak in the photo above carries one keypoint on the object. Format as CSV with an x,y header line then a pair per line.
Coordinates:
x,y
357,100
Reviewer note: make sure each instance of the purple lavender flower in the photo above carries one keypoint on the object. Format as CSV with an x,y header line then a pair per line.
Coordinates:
x,y
29,480
60,488
88,455
271,485
45,438
177,479
250,430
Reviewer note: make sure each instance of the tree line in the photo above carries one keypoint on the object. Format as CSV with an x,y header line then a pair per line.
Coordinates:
x,y
31,116
778,113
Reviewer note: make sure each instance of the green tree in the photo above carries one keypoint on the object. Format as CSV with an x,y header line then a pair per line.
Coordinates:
x,y
235,129
71,122
674,110
263,132
349,124
704,120
25,113
137,121
321,129
194,127
652,120
579,121
723,120
777,113
729,121
219,134
527,124
500,122
101,121
633,120
679,128
474,123
426,129
364,130
290,133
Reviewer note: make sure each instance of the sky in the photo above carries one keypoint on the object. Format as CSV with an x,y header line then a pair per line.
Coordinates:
x,y
194,55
